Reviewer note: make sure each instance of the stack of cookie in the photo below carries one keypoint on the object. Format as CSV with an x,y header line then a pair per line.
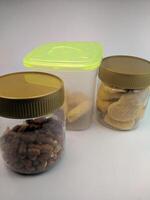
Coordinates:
x,y
121,108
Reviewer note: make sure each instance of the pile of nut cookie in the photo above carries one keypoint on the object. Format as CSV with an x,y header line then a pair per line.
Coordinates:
x,y
34,146
120,108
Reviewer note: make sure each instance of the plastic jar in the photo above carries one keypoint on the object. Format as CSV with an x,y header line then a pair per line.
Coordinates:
x,y
123,92
31,121
76,63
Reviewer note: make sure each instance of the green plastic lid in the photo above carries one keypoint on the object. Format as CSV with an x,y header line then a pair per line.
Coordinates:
x,y
65,55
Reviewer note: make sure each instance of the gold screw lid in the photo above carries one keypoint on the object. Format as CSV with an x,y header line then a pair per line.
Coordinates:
x,y
30,94
126,72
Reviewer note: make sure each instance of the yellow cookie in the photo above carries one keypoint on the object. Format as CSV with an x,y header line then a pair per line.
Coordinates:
x,y
137,98
103,105
123,111
75,98
112,89
107,93
128,106
79,111
118,124
141,113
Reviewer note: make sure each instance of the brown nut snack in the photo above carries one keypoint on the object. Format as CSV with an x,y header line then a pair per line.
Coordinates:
x,y
119,124
33,147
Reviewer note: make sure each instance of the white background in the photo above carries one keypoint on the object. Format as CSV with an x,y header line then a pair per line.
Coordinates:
x,y
99,164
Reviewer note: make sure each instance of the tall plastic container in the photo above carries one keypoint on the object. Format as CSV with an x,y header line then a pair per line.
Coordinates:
x,y
77,64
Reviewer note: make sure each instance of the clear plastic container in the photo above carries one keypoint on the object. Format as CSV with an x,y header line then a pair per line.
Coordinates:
x,y
76,63
31,121
123,92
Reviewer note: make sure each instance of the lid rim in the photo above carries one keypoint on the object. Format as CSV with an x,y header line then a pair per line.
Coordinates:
x,y
22,108
67,67
109,72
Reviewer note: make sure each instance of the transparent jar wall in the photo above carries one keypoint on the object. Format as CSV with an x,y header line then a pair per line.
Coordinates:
x,y
31,146
121,109
80,96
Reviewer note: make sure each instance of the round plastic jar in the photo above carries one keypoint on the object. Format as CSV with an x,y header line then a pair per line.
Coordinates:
x,y
31,121
123,91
